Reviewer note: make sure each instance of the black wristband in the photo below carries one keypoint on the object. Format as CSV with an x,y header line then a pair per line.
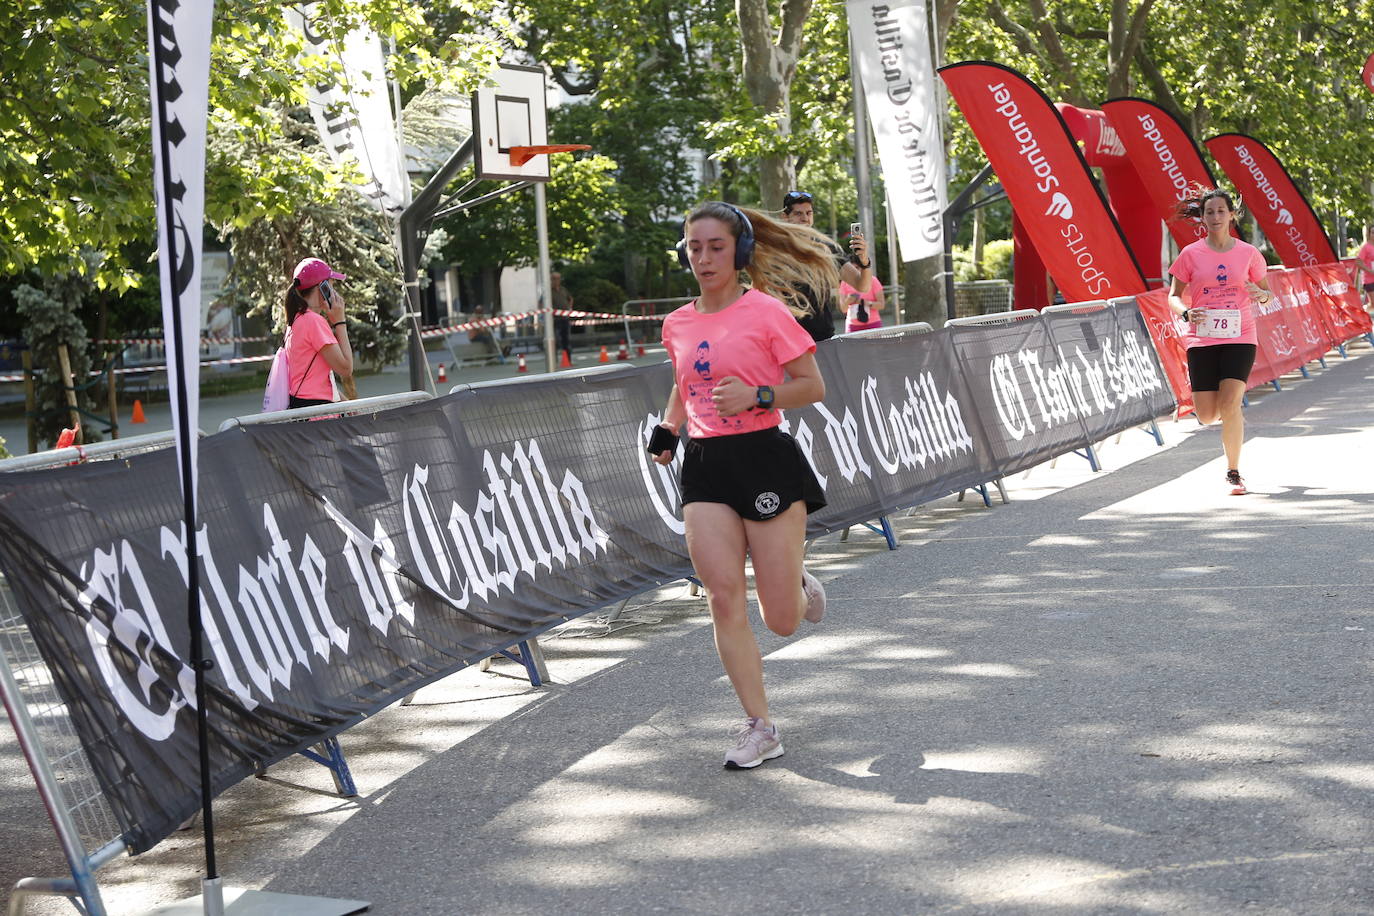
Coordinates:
x,y
337,323
868,266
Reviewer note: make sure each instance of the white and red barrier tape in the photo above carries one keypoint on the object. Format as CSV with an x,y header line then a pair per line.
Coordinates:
x,y
132,370
493,322
204,341
498,320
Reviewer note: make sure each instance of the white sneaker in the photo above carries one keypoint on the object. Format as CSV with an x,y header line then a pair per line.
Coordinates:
x,y
753,744
815,597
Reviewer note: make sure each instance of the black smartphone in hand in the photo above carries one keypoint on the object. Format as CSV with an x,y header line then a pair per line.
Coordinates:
x,y
327,291
660,441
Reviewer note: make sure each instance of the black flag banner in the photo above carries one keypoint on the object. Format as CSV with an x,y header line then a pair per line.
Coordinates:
x,y
344,563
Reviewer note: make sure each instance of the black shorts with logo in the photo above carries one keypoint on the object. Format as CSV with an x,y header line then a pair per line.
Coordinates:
x,y
757,474
1207,366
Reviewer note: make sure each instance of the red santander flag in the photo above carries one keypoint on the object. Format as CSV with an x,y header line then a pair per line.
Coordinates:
x,y
1277,204
1046,180
1368,73
1169,163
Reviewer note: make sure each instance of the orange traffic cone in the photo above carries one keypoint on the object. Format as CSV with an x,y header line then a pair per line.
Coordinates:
x,y
443,377
565,361
604,357
138,413
521,367
624,352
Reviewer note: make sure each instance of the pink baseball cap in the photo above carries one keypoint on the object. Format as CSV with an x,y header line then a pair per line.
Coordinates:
x,y
311,271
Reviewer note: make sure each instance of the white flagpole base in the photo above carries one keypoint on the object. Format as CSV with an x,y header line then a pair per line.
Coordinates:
x,y
212,896
237,901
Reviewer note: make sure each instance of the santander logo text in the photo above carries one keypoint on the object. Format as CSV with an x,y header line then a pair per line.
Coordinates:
x,y
1075,242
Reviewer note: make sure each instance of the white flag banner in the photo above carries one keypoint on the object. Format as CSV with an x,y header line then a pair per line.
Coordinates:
x,y
179,86
353,115
892,49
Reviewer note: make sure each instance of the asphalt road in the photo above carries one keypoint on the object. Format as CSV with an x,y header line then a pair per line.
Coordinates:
x,y
1122,692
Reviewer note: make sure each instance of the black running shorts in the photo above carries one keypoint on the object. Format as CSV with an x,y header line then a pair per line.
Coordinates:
x,y
1369,287
757,474
1207,366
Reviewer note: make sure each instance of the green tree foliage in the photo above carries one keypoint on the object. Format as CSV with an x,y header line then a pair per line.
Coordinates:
x,y
583,204
50,320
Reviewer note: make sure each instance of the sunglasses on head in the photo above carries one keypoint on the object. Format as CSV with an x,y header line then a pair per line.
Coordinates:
x,y
791,198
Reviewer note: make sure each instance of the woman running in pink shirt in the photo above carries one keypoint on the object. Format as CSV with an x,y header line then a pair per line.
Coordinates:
x,y
739,356
1223,278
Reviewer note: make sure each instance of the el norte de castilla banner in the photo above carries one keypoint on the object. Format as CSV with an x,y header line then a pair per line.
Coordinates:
x,y
891,43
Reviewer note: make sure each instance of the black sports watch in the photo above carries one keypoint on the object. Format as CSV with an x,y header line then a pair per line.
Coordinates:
x,y
764,397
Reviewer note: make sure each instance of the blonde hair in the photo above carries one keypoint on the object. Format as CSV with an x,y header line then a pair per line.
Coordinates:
x,y
787,261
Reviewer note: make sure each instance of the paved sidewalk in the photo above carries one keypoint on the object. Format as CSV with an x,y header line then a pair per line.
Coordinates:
x,y
1123,692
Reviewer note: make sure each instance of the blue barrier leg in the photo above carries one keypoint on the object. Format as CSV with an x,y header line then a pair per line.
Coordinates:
x,y
983,492
331,755
1245,400
1153,430
527,654
1322,360
1090,455
1305,373
883,528
1277,386
1340,348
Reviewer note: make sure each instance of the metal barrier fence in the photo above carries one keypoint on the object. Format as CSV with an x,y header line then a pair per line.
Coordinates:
x,y
86,827
981,297
85,824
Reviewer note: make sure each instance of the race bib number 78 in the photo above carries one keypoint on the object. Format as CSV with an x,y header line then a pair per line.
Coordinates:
x,y
1219,323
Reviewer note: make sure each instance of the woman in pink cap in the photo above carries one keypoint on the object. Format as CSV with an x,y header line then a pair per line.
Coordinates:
x,y
316,334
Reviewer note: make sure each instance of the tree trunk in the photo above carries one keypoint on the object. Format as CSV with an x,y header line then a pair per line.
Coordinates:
x,y
769,68
925,291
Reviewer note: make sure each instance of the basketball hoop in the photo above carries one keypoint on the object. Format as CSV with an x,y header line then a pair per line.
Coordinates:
x,y
519,155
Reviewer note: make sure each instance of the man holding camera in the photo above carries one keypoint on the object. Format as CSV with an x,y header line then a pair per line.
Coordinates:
x,y
856,268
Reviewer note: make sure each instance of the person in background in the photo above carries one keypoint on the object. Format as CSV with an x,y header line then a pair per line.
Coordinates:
x,y
316,334
739,357
1222,276
862,309
562,324
1366,256
482,334
798,208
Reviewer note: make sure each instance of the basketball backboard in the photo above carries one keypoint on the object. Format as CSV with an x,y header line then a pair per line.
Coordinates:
x,y
512,113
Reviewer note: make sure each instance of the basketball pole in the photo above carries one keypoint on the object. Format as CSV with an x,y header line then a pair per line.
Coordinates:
x,y
541,230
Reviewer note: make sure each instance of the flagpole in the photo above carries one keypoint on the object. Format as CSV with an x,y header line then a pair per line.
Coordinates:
x,y
212,888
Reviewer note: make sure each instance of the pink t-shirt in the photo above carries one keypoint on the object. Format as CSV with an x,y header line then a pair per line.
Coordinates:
x,y
851,321
309,334
1366,256
751,338
1216,280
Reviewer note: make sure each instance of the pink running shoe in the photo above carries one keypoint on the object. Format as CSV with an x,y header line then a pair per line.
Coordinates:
x,y
815,597
753,744
1236,482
